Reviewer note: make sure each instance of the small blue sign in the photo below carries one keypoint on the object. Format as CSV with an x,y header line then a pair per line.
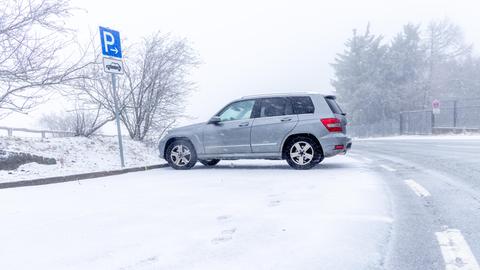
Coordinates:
x,y
110,40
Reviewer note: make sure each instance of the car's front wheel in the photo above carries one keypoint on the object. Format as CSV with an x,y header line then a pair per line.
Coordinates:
x,y
181,155
303,153
210,162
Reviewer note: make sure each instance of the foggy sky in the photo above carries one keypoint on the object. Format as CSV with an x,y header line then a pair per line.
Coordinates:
x,y
251,47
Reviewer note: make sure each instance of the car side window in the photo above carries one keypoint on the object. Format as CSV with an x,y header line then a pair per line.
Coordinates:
x,y
275,107
302,105
237,111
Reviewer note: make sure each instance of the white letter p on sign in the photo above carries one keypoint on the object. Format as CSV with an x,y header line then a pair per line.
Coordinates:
x,y
108,39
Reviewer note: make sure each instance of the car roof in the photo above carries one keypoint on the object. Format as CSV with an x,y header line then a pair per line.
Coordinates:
x,y
291,94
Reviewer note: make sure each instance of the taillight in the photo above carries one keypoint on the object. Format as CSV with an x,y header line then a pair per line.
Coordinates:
x,y
332,124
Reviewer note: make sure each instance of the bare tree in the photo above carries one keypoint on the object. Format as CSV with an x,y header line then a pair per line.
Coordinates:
x,y
157,82
85,119
151,93
81,121
445,46
94,90
32,39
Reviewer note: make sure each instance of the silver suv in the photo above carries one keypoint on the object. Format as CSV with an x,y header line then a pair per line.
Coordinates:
x,y
302,128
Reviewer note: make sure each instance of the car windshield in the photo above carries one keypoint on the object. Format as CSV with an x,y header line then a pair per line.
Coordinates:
x,y
237,111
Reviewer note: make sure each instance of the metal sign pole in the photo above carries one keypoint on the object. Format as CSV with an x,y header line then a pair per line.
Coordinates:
x,y
112,63
117,119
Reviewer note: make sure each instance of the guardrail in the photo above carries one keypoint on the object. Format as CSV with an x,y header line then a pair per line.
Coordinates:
x,y
42,132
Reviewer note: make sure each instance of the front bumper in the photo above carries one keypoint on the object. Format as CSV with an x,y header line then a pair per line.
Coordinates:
x,y
161,147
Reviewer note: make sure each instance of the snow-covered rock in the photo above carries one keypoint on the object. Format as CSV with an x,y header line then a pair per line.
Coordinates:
x,y
75,155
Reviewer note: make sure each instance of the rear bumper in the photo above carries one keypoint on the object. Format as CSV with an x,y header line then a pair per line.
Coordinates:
x,y
335,144
349,146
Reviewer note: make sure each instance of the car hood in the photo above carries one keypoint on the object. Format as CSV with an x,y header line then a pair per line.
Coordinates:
x,y
193,127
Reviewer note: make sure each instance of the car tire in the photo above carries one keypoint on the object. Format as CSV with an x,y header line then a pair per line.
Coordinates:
x,y
303,153
210,162
181,155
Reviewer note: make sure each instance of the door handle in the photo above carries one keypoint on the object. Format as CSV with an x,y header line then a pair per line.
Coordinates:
x,y
245,124
286,119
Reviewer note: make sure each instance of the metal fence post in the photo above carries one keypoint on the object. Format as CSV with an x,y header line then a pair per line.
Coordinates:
x,y
10,132
432,122
454,113
401,123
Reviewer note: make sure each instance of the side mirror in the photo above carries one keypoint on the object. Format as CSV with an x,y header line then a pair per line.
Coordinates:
x,y
214,120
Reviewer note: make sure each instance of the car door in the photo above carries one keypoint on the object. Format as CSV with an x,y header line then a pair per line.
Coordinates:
x,y
274,119
232,134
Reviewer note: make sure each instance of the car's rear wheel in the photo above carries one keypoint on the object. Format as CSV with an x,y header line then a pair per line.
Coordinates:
x,y
181,155
303,153
210,162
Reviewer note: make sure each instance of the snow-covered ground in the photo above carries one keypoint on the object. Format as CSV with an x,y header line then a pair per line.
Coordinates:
x,y
238,215
75,155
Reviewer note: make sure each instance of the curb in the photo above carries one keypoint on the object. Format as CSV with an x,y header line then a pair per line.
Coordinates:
x,y
76,177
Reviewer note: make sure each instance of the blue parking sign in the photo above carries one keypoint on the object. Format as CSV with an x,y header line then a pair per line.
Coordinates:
x,y
110,40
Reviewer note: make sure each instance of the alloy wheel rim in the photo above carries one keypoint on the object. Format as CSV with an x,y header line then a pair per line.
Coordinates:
x,y
180,155
302,153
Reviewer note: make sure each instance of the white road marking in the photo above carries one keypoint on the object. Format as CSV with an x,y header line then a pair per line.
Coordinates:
x,y
417,188
388,168
455,251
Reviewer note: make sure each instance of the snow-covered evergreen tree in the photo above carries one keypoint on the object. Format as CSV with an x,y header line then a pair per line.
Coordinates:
x,y
359,79
405,71
375,82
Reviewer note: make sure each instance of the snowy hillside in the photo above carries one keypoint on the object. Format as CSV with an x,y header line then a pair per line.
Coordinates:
x,y
75,155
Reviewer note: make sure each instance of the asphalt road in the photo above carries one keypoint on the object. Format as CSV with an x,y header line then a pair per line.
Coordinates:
x,y
434,186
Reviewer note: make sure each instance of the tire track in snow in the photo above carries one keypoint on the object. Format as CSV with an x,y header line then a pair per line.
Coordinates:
x,y
388,168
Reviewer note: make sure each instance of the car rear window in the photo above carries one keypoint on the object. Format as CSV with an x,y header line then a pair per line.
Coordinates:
x,y
333,105
302,105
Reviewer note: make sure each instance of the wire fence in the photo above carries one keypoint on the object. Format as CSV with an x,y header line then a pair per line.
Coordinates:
x,y
379,129
454,116
416,122
463,113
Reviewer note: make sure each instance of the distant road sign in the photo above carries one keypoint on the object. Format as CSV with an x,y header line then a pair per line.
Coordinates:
x,y
111,65
110,40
